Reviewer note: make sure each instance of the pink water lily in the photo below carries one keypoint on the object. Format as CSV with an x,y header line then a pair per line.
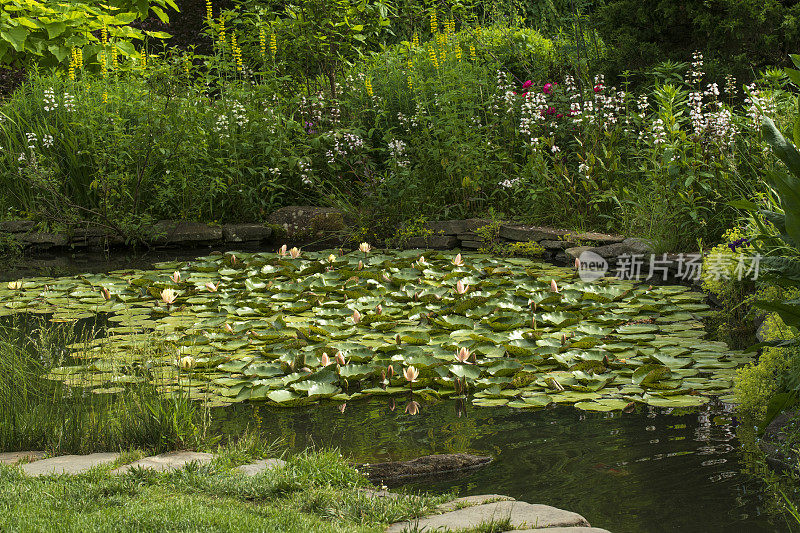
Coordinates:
x,y
577,264
360,265
463,354
325,360
294,252
228,328
365,247
461,288
282,251
457,261
176,277
553,285
106,294
340,358
211,287
378,309
356,317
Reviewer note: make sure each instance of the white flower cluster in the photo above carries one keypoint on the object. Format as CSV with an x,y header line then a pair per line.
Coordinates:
x,y
509,183
642,104
730,86
721,126
696,112
32,139
344,145
397,150
69,102
50,103
760,104
659,132
696,73
239,114
305,171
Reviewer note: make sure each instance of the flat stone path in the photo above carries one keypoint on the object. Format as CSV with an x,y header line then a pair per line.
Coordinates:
x,y
462,513
68,464
166,462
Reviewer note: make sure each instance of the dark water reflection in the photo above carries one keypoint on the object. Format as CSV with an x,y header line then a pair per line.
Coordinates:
x,y
648,471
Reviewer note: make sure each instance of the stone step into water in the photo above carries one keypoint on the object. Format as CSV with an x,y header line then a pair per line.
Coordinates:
x,y
68,464
13,458
166,462
522,516
261,466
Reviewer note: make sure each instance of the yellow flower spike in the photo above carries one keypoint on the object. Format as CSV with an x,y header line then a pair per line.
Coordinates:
x,y
80,58
114,60
410,83
237,53
434,22
415,40
273,45
458,53
368,84
186,66
209,12
432,55
105,97
472,55
104,35
262,41
222,29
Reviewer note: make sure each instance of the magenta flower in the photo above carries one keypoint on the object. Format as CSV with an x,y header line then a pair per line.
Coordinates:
x,y
548,88
527,84
598,88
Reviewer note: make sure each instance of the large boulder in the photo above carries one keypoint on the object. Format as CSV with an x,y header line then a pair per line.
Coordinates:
x,y
304,223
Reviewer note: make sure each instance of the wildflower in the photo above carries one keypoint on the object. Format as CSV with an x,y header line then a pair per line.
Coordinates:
x,y
331,258
472,55
527,84
187,362
273,45
432,55
168,296
368,84
548,88
434,22
262,43
739,243
50,100
411,374
415,40
209,11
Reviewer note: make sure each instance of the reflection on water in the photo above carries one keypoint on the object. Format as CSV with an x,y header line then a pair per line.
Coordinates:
x,y
648,471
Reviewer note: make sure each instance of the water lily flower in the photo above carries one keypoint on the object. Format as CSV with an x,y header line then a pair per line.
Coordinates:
x,y
233,259
187,362
412,408
360,265
390,371
331,258
176,277
211,287
342,407
457,261
282,251
15,285
106,294
168,296
461,288
228,328
379,309
294,252
411,374
340,358
463,354
356,317
325,360
553,285
577,264
365,247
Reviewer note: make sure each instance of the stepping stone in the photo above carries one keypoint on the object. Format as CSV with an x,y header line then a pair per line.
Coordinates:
x,y
166,462
469,501
68,464
12,458
578,529
522,515
260,466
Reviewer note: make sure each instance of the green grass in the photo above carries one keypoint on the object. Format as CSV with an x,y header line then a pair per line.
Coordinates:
x,y
315,491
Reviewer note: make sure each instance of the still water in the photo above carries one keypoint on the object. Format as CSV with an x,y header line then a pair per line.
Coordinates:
x,y
648,471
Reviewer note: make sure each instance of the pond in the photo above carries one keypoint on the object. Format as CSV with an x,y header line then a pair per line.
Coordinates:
x,y
651,470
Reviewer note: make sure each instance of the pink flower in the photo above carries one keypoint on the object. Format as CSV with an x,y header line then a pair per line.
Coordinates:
x,y
598,88
548,88
560,115
527,84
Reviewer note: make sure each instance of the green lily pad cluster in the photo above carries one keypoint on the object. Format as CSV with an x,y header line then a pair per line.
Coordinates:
x,y
327,325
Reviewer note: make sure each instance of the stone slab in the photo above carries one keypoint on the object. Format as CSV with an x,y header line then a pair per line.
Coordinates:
x,y
579,529
185,232
556,245
471,245
246,232
530,233
434,242
469,501
17,226
68,464
258,467
11,458
42,239
627,247
166,461
455,227
522,516
597,238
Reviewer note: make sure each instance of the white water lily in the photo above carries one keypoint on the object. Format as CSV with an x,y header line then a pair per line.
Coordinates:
x,y
168,296
411,374
15,285
228,328
282,251
187,362
340,358
331,258
294,252
365,247
457,261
